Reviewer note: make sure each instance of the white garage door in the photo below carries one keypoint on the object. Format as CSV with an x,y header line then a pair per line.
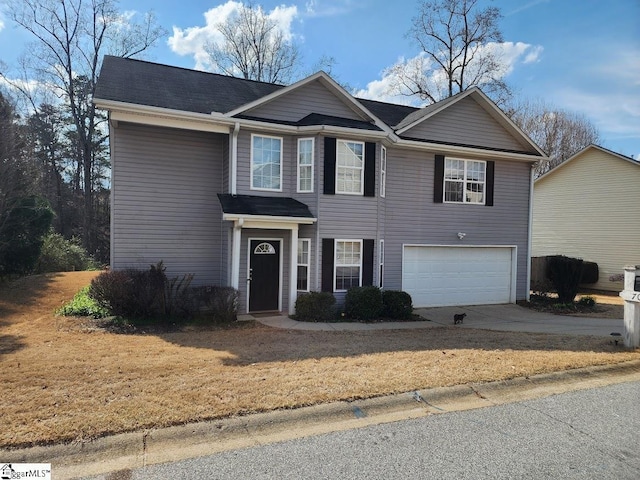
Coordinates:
x,y
441,276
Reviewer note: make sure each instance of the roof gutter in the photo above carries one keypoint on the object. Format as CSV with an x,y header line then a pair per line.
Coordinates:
x,y
234,159
468,151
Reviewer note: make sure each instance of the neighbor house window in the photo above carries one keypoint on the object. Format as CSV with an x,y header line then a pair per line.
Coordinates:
x,y
350,167
383,172
266,163
464,181
348,264
304,247
305,165
381,264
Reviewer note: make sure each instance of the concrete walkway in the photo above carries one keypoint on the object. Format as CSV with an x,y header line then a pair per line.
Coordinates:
x,y
509,318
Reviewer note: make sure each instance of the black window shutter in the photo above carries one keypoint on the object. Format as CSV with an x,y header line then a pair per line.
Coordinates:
x,y
491,166
438,179
329,166
369,169
367,262
327,264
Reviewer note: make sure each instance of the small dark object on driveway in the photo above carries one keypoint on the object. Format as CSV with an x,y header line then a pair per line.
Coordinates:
x,y
458,318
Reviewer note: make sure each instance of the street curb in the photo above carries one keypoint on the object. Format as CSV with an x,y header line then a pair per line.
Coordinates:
x,y
137,449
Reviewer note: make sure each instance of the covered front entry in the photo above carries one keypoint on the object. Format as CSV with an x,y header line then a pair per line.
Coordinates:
x,y
437,276
264,262
264,275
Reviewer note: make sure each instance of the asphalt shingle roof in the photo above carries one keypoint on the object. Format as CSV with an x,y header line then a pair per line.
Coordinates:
x,y
263,206
145,83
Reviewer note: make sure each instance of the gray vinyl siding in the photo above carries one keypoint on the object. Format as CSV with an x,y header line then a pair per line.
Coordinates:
x,y
297,104
164,201
413,217
289,168
466,123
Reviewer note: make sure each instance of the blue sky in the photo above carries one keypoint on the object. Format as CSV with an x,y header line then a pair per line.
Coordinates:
x,y
579,55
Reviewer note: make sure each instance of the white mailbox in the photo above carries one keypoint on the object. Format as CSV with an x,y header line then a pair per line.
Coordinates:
x,y
631,296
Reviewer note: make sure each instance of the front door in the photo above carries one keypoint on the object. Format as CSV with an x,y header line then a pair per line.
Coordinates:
x,y
264,275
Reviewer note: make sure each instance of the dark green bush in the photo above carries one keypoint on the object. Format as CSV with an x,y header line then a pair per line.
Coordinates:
x,y
397,305
590,273
315,307
363,303
565,274
587,301
220,302
23,225
143,293
61,255
111,290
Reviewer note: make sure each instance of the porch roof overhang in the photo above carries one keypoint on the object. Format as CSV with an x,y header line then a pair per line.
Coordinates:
x,y
252,211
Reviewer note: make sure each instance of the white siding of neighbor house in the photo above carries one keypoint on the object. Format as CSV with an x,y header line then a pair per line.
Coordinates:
x,y
589,209
164,201
297,104
412,217
467,123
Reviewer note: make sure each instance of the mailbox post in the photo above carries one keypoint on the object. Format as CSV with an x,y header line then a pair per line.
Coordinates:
x,y
631,296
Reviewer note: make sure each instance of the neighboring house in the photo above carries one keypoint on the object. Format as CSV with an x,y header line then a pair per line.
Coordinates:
x,y
588,207
277,190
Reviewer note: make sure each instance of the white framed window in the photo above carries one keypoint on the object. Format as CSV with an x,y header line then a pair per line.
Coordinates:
x,y
464,181
347,265
305,165
381,265
304,260
383,172
266,163
350,167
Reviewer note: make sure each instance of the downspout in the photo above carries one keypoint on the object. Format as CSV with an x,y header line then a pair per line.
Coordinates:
x,y
529,235
233,173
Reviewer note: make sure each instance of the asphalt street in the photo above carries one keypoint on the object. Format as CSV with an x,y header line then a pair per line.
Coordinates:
x,y
586,434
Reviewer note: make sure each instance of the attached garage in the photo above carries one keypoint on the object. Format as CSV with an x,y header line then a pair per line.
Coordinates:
x,y
437,276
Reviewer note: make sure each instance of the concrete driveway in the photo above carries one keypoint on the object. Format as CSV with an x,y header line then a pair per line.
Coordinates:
x,y
508,317
514,318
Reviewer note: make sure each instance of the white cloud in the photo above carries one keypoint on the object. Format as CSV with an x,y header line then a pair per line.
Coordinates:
x,y
331,8
192,40
508,54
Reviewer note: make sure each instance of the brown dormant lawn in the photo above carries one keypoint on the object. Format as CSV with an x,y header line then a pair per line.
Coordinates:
x,y
63,383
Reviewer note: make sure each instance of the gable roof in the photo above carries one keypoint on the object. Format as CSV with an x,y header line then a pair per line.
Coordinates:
x,y
485,102
592,146
127,84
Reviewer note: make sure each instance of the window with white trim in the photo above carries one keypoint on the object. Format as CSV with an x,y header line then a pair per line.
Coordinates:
x,y
464,181
350,167
383,172
304,249
381,265
305,165
348,265
266,163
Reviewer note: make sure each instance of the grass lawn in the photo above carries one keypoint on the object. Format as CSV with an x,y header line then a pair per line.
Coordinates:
x,y
63,382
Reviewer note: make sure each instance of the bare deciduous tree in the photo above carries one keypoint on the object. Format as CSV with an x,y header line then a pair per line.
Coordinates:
x,y
71,36
455,38
559,133
254,47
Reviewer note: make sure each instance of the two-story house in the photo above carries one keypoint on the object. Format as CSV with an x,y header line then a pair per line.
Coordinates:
x,y
277,190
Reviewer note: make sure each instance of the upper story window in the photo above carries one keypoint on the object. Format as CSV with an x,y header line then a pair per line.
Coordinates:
x,y
266,163
350,167
383,172
305,165
464,181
